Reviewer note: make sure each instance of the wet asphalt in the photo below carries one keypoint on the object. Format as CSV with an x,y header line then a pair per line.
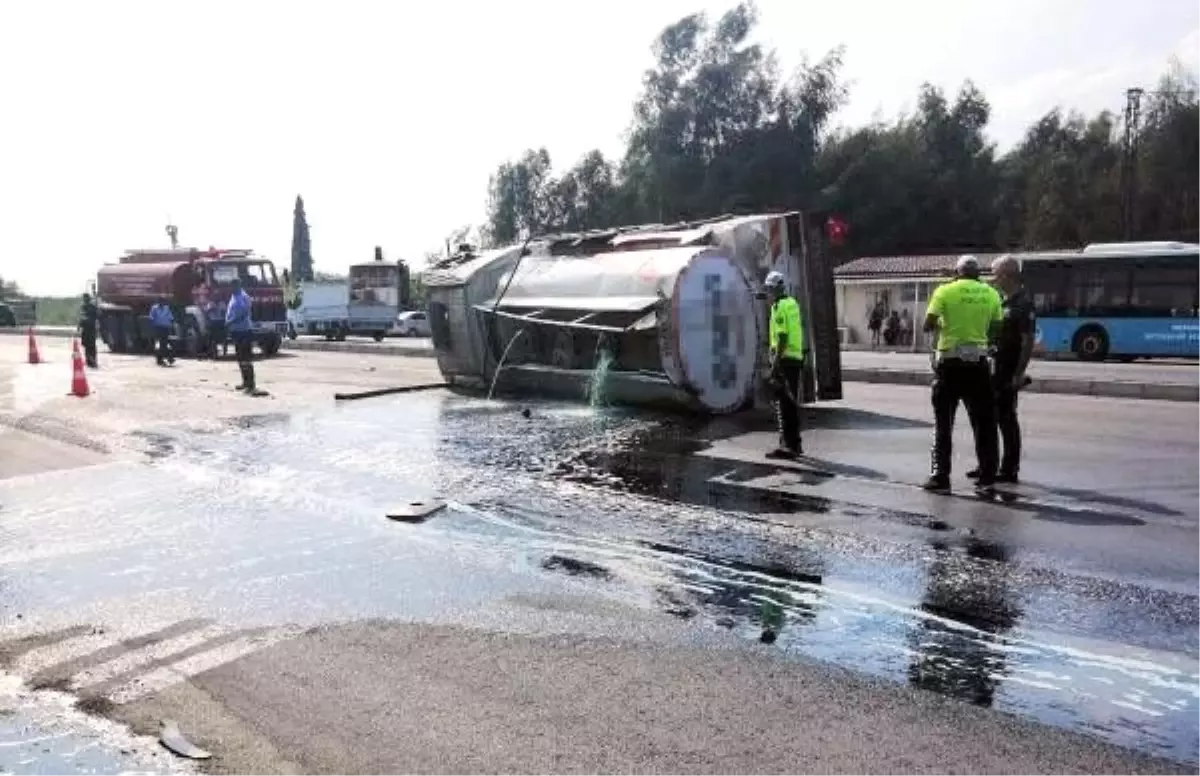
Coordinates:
x,y
277,521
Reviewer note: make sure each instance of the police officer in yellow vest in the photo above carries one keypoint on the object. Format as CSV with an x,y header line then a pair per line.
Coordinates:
x,y
786,332
965,314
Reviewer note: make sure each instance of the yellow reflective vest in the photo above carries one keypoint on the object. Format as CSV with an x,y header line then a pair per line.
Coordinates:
x,y
785,319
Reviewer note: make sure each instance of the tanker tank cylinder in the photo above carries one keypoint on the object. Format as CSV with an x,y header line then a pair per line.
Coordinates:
x,y
712,333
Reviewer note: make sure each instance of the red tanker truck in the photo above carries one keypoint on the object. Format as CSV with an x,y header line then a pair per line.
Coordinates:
x,y
191,281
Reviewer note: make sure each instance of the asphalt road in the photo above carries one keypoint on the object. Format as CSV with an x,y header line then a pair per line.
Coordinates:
x,y
1168,372
1165,371
592,596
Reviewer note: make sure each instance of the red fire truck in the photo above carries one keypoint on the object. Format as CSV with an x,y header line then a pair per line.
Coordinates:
x,y
196,284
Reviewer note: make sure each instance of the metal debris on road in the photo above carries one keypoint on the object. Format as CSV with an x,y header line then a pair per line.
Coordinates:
x,y
172,739
374,393
415,511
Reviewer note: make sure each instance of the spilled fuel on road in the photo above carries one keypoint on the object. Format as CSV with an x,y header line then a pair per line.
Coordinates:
x,y
279,520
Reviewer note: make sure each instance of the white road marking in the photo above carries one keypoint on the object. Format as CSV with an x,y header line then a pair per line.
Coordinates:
x,y
182,670
133,659
41,658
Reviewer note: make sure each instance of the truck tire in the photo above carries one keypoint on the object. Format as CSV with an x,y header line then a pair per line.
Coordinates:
x,y
110,332
189,335
270,346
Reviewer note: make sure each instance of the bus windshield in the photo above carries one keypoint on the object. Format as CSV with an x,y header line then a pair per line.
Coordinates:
x,y
252,274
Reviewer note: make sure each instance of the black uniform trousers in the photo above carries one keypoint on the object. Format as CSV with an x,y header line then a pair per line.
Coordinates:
x,y
787,405
162,339
1010,427
970,382
87,335
243,344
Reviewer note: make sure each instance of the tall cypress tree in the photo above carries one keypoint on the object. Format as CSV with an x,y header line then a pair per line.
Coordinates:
x,y
302,263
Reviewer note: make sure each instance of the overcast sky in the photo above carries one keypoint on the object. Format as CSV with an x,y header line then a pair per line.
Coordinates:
x,y
388,117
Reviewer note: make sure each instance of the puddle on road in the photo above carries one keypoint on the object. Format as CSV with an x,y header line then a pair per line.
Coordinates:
x,y
281,518
42,733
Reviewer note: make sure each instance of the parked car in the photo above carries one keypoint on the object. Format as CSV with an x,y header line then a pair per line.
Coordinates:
x,y
413,323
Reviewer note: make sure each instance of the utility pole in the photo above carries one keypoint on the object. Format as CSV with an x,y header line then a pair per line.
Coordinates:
x,y
1133,117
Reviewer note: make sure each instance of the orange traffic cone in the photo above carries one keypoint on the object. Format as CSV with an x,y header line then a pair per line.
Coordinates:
x,y
34,356
79,384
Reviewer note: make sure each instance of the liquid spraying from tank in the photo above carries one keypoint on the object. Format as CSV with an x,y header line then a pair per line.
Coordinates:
x,y
599,378
500,363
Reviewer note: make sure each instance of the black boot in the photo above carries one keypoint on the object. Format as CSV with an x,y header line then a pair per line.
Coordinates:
x,y
938,483
251,388
247,380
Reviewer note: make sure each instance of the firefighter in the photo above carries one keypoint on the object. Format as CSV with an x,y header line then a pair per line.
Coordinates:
x,y
1013,349
161,320
88,321
786,333
240,327
964,314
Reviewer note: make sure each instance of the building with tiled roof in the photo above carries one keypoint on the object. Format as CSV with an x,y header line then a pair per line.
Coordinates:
x,y
899,283
906,266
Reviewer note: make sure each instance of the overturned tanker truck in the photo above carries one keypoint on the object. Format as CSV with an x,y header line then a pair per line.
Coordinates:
x,y
674,315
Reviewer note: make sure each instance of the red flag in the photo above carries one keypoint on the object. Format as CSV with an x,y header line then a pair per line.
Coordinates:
x,y
836,230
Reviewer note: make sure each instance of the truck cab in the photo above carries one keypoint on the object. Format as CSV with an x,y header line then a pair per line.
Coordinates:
x,y
258,278
197,284
378,292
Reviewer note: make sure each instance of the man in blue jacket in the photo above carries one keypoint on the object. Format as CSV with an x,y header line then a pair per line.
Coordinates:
x,y
161,320
240,326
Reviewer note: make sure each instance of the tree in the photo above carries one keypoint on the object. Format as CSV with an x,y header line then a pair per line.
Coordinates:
x,y
9,289
1168,164
518,198
715,130
302,263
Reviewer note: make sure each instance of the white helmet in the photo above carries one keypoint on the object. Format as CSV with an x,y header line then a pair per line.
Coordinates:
x,y
774,280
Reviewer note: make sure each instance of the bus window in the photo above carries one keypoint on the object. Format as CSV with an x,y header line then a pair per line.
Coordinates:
x,y
1100,291
1164,292
1046,285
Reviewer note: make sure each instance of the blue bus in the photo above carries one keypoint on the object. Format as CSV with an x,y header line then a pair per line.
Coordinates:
x,y
1117,300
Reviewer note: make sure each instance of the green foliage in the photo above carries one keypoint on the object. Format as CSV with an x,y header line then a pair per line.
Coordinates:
x,y
302,263
57,311
717,130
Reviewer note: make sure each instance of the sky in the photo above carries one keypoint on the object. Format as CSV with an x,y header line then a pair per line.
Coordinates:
x,y
388,117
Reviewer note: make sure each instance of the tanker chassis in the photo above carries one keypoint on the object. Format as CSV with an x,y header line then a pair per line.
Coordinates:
x,y
197,285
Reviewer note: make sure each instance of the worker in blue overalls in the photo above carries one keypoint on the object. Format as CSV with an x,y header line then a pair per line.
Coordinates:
x,y
161,321
240,326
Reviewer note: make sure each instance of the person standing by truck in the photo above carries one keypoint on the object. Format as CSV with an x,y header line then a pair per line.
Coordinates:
x,y
786,332
161,320
88,318
240,326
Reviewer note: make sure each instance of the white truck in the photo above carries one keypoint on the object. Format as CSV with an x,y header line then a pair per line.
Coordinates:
x,y
324,309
